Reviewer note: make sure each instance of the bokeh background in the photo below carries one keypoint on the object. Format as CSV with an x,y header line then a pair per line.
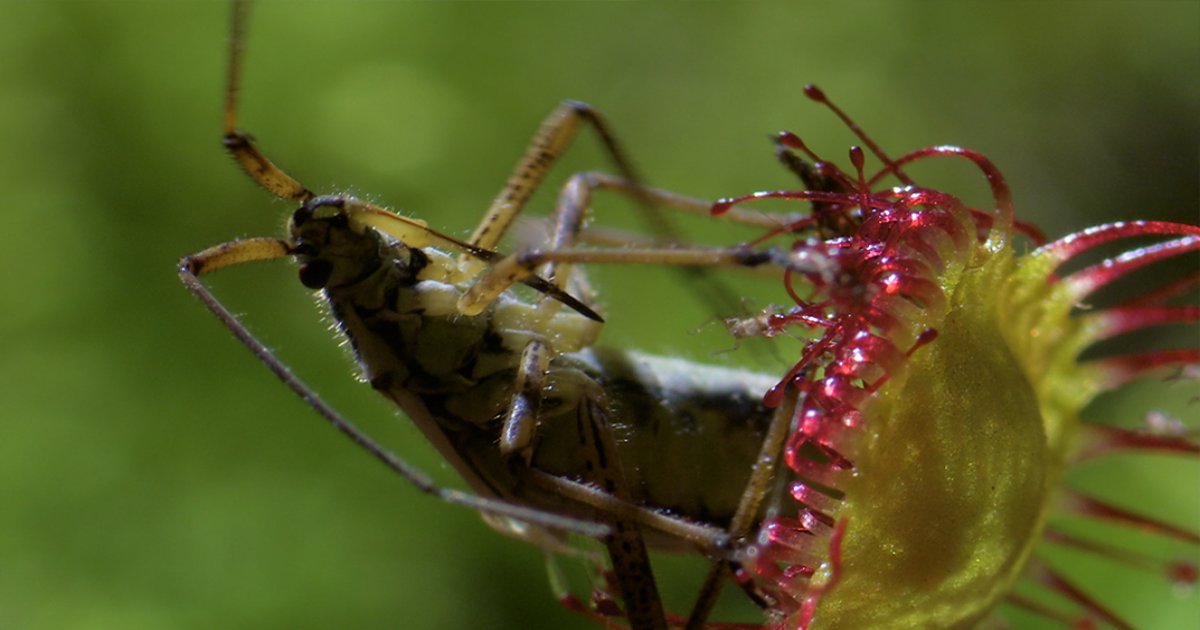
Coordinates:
x,y
153,475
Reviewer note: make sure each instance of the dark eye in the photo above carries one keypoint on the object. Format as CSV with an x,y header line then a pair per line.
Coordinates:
x,y
301,216
315,273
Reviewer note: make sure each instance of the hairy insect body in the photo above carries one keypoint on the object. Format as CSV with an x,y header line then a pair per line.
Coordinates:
x,y
689,432
686,436
554,436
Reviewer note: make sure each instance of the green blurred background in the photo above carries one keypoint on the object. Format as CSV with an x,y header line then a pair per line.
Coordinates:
x,y
153,475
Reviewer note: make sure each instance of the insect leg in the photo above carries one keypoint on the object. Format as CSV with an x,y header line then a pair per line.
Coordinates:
x,y
574,202
256,249
520,422
706,539
749,507
552,139
626,547
594,180
517,267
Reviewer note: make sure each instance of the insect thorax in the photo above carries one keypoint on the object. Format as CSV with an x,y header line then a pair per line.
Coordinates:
x,y
687,434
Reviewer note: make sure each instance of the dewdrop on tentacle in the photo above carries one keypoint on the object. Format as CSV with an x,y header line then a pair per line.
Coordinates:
x,y
939,397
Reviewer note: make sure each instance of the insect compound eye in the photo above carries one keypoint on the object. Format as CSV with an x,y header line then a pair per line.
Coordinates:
x,y
301,216
315,273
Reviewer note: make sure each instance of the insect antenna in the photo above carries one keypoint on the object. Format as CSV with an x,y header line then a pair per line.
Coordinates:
x,y
241,144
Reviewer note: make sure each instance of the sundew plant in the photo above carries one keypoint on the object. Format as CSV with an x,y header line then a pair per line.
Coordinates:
x,y
949,355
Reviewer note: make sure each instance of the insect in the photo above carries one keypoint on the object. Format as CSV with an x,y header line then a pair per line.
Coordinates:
x,y
512,392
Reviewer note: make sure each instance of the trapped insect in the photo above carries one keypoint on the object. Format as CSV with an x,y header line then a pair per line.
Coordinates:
x,y
904,294
511,391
